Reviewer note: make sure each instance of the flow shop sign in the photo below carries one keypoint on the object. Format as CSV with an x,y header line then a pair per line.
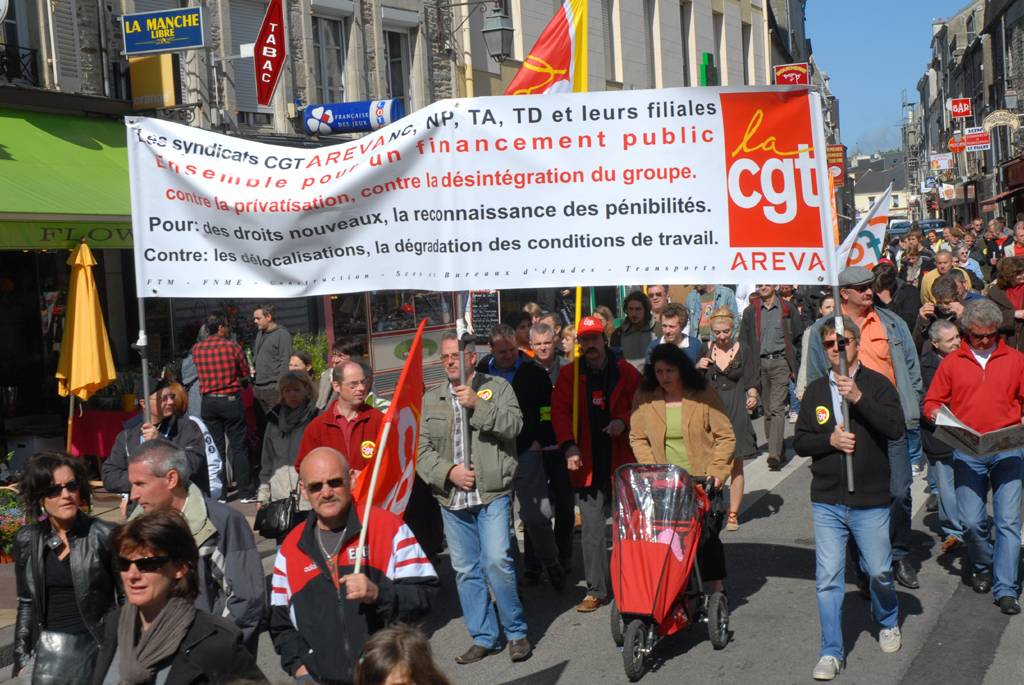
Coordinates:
x,y
165,31
269,52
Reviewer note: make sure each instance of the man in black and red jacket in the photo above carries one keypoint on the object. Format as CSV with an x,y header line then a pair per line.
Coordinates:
x,y
772,327
532,387
321,613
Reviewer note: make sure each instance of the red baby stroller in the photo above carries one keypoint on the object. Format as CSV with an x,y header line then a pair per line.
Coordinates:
x,y
658,516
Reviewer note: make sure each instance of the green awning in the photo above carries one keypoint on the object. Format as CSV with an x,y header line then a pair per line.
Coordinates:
x,y
63,178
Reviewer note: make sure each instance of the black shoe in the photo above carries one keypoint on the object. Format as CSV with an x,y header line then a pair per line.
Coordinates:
x,y
566,565
932,503
1009,605
519,650
904,574
556,576
982,582
774,462
864,590
475,653
531,575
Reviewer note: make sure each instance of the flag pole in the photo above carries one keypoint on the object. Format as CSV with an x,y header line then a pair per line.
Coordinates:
x,y
378,457
841,335
71,418
142,345
576,365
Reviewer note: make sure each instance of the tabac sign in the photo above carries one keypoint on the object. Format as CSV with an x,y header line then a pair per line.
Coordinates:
x,y
165,31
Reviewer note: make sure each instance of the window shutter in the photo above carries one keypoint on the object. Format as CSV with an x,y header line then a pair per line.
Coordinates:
x,y
246,19
609,40
64,24
649,41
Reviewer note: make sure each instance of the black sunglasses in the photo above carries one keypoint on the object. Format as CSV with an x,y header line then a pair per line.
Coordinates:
x,y
858,288
145,564
829,344
55,490
333,484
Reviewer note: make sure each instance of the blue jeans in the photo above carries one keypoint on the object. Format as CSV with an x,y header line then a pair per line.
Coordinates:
x,y
974,477
479,544
945,491
900,512
794,401
833,525
914,445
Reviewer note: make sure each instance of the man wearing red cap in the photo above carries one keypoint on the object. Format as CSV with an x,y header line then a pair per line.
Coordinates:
x,y
596,445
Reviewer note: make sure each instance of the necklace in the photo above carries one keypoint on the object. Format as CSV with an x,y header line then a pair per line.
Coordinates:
x,y
327,555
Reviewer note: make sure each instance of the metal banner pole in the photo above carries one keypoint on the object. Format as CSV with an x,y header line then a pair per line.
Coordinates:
x,y
143,347
464,340
841,345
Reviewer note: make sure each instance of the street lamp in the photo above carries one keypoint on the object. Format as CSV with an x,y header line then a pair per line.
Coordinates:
x,y
1011,98
498,32
957,135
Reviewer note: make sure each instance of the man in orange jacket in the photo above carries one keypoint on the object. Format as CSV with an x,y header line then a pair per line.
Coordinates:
x,y
597,445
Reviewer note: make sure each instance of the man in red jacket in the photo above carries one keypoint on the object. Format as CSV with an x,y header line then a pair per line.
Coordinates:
x,y
348,424
982,383
596,446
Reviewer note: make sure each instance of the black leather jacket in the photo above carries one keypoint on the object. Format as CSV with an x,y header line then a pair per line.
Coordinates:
x,y
93,570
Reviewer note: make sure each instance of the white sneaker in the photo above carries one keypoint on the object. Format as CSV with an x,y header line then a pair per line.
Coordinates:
x,y
889,639
828,668
793,416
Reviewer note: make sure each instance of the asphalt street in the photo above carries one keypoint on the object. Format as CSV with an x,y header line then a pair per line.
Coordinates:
x,y
950,634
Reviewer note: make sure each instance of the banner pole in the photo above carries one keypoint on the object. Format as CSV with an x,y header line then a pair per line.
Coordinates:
x,y
369,498
841,345
71,418
576,366
142,345
464,341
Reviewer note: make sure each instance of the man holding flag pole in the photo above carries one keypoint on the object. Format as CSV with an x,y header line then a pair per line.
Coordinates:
x,y
886,347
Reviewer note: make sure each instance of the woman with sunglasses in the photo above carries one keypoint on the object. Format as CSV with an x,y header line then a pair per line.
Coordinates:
x,y
159,636
66,574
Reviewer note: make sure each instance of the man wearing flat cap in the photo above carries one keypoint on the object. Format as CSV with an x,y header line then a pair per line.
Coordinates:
x,y
886,347
157,420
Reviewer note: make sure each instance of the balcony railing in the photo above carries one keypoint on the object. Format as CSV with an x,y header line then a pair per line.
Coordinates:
x,y
19,64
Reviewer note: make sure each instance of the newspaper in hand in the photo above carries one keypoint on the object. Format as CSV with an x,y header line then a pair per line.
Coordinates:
x,y
954,433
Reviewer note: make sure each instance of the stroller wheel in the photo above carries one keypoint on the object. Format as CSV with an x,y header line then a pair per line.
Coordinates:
x,y
618,625
718,620
634,650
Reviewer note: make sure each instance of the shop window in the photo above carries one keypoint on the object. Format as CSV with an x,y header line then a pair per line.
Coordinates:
x,y
400,310
350,319
329,58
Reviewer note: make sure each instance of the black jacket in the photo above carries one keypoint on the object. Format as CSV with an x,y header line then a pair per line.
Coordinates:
x,y
184,433
792,331
932,446
93,569
532,386
210,653
270,354
905,303
811,295
875,420
927,264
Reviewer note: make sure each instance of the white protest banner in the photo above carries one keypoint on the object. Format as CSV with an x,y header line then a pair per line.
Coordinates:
x,y
865,244
698,185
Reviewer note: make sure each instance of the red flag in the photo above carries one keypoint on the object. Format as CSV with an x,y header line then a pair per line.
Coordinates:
x,y
397,468
558,61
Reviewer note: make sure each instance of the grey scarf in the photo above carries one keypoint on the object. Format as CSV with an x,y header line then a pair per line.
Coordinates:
x,y
139,657
289,419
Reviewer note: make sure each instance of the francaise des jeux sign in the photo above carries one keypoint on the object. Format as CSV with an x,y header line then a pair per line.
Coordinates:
x,y
164,31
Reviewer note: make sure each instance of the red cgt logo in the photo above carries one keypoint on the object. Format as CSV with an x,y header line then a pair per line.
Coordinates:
x,y
770,163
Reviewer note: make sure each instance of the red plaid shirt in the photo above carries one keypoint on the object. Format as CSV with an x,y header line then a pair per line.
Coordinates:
x,y
221,365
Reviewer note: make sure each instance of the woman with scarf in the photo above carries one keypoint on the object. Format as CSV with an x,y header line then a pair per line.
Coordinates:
x,y
1008,294
731,368
66,574
285,425
159,637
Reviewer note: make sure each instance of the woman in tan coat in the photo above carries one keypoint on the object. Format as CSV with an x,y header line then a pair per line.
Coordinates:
x,y
677,419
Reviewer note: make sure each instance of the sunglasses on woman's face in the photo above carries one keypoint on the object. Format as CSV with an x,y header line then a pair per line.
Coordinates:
x,y
829,344
55,490
145,564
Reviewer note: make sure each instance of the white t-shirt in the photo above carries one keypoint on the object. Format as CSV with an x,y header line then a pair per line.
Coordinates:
x,y
983,355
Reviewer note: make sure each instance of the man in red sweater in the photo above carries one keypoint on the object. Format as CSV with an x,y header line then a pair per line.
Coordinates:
x,y
348,424
982,383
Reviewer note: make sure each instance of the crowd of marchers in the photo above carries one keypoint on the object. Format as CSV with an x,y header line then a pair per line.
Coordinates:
x,y
177,593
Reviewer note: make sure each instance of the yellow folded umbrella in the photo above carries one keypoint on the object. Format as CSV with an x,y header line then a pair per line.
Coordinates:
x,y
86,364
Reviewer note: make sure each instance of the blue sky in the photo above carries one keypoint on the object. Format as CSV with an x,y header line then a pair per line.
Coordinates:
x,y
872,50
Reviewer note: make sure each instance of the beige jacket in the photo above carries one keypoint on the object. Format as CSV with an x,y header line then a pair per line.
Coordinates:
x,y
710,441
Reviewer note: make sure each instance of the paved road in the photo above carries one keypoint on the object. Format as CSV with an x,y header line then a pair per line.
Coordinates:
x,y
950,634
